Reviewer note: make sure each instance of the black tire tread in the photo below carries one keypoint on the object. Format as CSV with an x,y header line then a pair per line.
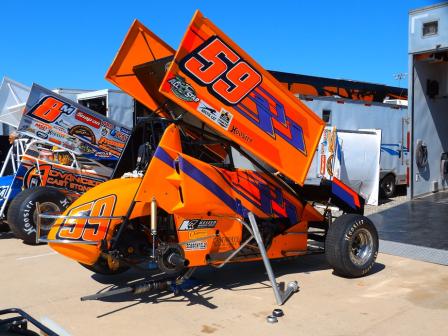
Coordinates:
x,y
15,210
335,247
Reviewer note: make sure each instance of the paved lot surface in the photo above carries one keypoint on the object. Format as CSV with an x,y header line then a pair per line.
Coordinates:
x,y
387,203
422,222
402,297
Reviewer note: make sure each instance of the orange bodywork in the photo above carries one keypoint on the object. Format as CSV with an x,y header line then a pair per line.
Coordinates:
x,y
190,190
242,101
206,202
140,46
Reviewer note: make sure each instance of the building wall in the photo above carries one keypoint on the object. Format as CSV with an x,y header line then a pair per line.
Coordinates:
x,y
430,124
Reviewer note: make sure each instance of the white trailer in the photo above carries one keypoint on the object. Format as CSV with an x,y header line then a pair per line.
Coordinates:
x,y
391,119
428,98
113,104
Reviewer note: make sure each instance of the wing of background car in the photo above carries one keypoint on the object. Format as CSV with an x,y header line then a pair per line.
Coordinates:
x,y
139,68
139,47
13,96
222,86
58,121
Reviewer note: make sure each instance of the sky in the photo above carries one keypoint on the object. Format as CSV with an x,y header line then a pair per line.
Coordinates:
x,y
71,44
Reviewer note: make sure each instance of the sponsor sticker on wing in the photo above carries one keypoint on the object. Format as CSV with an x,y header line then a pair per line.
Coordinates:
x,y
222,118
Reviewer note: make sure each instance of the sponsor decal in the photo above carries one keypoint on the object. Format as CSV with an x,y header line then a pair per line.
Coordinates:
x,y
42,135
222,118
225,117
226,242
235,130
119,135
62,124
207,110
125,130
59,178
200,233
59,128
182,89
42,127
56,141
70,145
83,132
88,119
103,155
112,146
86,148
199,245
323,162
193,224
104,131
107,124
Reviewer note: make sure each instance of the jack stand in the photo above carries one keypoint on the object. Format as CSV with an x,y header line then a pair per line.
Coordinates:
x,y
280,295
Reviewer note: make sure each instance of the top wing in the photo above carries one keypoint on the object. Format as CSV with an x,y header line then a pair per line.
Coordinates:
x,y
139,47
217,82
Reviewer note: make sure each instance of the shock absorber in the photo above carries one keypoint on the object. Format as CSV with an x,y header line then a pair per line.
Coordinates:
x,y
153,225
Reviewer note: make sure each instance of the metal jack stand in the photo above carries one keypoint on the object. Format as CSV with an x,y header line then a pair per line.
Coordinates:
x,y
280,295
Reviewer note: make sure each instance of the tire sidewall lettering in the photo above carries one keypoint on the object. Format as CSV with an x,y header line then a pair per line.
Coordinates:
x,y
30,207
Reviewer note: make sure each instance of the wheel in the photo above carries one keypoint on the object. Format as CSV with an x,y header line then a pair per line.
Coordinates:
x,y
387,186
102,267
22,215
351,245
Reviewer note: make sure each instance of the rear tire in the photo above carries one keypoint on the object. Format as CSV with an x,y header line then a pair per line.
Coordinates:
x,y
351,245
22,215
387,186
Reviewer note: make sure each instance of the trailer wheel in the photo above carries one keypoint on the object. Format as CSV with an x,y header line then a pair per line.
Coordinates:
x,y
22,215
387,186
351,245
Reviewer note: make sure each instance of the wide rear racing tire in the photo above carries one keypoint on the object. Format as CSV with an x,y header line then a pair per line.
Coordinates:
x,y
22,214
351,245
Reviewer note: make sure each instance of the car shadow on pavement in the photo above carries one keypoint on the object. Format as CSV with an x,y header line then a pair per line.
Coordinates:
x,y
6,235
233,277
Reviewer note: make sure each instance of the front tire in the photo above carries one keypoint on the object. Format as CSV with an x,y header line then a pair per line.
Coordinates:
x,y
22,214
351,245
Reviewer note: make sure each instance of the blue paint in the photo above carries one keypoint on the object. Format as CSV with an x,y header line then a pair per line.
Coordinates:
x,y
343,195
264,119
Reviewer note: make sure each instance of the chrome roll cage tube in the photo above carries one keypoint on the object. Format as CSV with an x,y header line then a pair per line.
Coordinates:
x,y
40,215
